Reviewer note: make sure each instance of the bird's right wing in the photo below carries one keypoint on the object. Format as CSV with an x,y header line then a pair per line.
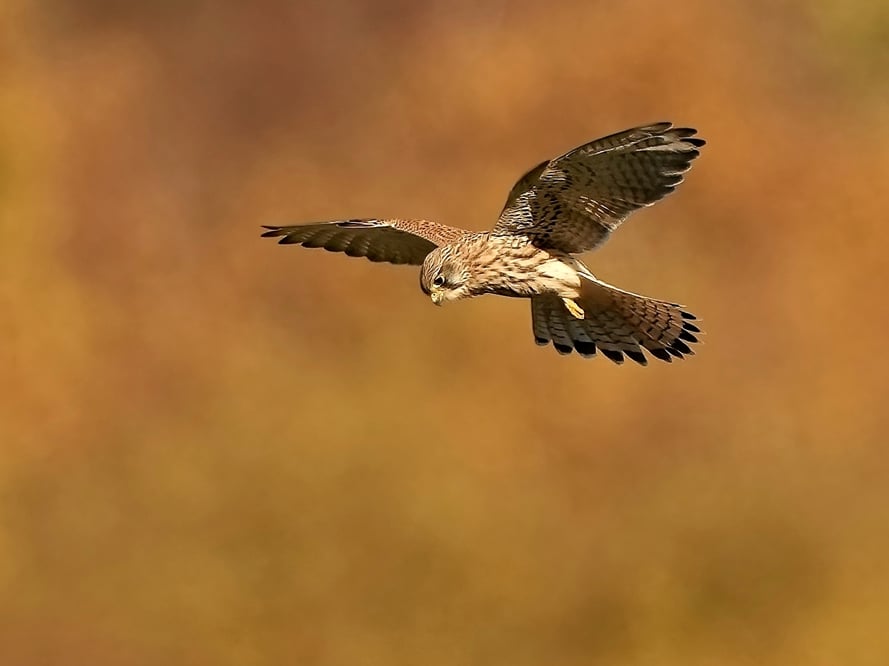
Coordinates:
x,y
574,202
394,241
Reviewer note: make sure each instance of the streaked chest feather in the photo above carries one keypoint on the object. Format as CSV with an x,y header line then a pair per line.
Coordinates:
x,y
524,271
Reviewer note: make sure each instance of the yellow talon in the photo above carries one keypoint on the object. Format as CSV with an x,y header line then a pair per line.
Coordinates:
x,y
573,308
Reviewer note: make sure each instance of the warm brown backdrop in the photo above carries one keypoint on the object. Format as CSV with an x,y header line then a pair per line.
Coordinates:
x,y
219,451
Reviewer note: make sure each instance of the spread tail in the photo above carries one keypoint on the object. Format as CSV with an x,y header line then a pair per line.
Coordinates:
x,y
615,323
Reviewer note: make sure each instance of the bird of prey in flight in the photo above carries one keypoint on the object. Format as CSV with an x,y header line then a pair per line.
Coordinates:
x,y
560,208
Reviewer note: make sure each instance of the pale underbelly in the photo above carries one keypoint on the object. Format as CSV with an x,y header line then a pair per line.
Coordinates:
x,y
553,276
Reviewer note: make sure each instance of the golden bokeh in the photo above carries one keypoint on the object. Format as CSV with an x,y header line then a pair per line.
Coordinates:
x,y
220,451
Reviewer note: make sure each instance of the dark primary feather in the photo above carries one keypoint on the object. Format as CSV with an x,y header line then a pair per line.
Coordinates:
x,y
573,203
393,241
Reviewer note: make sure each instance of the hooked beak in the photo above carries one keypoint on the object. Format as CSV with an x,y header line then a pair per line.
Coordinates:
x,y
436,297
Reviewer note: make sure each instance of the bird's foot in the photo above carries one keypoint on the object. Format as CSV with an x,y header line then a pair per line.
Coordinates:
x,y
573,308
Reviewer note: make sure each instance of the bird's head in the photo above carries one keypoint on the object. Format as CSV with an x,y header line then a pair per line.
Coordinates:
x,y
444,277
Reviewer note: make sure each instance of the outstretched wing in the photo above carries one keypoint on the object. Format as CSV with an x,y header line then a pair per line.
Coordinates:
x,y
395,241
573,203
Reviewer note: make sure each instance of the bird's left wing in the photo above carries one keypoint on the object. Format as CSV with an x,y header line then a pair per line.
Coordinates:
x,y
573,203
394,241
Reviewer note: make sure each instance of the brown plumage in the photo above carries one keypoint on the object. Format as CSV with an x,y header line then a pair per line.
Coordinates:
x,y
561,207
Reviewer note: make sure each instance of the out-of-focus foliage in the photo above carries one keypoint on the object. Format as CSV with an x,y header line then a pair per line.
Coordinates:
x,y
220,451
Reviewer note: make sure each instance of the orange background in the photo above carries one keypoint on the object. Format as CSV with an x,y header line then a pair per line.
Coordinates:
x,y
220,451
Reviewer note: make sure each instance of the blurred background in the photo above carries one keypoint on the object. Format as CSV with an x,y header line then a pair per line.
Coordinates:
x,y
220,451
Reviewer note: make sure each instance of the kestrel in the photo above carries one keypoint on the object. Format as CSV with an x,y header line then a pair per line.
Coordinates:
x,y
558,209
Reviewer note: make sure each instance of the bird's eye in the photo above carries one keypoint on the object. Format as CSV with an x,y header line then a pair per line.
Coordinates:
x,y
438,281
